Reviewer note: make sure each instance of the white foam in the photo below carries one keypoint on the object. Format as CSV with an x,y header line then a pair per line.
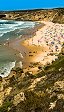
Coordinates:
x,y
3,20
7,68
1,34
7,25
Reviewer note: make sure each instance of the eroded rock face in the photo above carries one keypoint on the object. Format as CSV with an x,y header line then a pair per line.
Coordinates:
x,y
18,98
55,15
59,85
2,15
4,94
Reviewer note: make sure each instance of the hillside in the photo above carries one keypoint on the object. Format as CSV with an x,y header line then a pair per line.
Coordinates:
x,y
43,92
54,15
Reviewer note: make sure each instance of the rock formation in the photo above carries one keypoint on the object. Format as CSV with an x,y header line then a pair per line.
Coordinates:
x,y
54,15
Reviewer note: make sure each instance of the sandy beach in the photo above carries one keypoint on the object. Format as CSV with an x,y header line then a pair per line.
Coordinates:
x,y
42,47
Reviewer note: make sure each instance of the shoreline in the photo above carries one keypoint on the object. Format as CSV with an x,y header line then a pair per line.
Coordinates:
x,y
19,53
43,47
17,44
40,47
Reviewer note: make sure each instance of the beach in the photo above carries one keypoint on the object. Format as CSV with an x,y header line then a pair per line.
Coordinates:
x,y
11,31
37,47
32,58
41,47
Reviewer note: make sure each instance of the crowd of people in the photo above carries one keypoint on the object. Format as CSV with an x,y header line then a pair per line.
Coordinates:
x,y
50,36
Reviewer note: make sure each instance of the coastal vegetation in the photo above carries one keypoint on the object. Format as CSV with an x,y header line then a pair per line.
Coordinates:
x,y
42,92
55,15
39,87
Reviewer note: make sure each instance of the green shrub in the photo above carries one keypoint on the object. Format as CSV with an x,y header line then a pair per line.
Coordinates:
x,y
5,106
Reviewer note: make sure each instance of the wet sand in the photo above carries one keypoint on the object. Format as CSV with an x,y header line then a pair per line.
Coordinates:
x,y
42,46
24,51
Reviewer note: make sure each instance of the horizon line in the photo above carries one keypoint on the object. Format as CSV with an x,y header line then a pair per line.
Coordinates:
x,y
34,9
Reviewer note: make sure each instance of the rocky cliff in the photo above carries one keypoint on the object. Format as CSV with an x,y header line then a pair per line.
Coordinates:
x,y
54,15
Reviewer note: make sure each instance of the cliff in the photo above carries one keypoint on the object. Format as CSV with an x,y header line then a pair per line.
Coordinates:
x,y
54,15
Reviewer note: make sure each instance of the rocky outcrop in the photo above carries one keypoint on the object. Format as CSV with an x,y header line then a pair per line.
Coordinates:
x,y
54,15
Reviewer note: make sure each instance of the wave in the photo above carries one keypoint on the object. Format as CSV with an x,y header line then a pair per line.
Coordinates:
x,y
5,70
9,25
9,30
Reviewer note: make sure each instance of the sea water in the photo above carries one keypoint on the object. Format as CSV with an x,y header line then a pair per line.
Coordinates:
x,y
10,30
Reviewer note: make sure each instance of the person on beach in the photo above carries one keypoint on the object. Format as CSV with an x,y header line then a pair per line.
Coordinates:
x,y
32,41
8,43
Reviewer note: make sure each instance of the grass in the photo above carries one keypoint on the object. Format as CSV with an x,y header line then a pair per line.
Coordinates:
x,y
5,106
53,74
59,63
38,99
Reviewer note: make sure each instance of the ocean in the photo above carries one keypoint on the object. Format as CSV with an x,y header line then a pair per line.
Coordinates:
x,y
10,30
